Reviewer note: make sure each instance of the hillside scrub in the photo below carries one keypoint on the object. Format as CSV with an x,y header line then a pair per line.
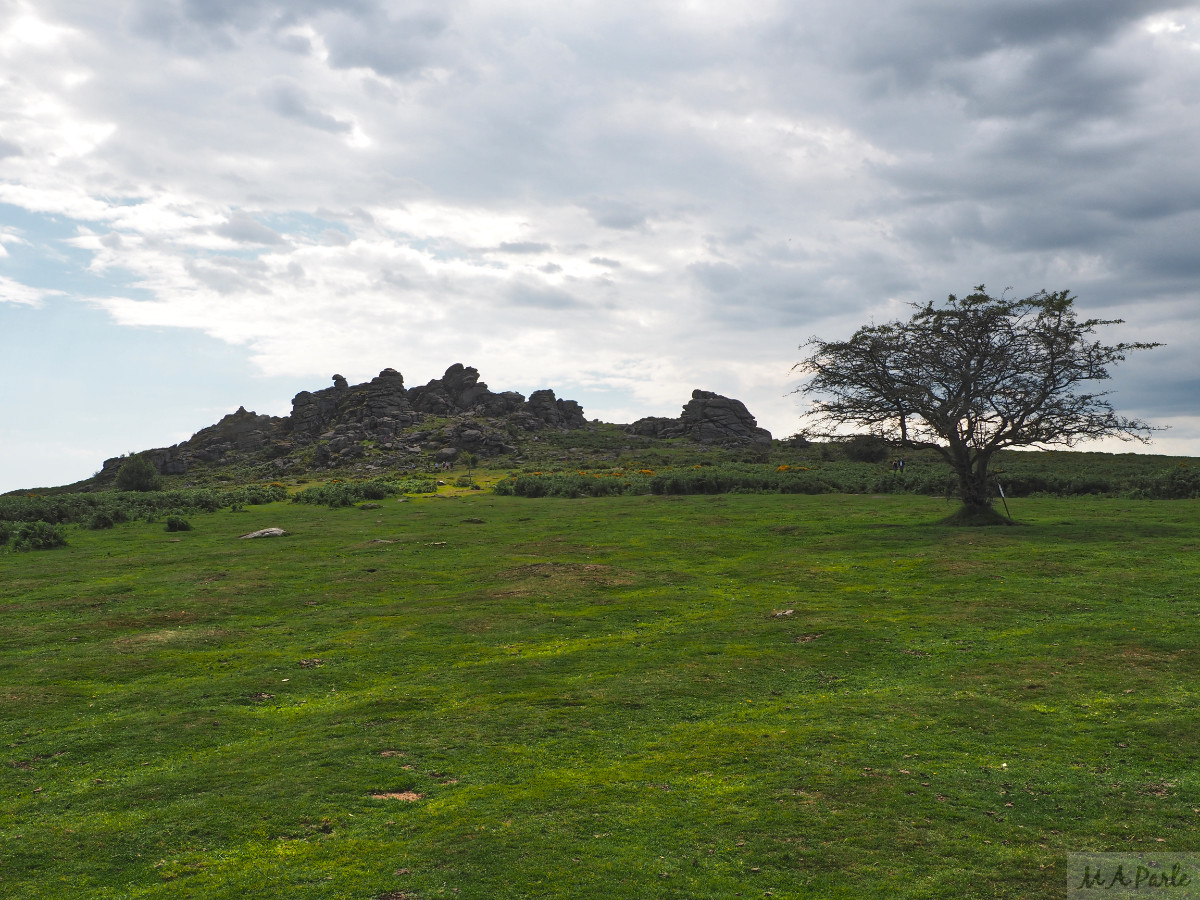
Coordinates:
x,y
347,493
122,506
37,536
1020,475
821,469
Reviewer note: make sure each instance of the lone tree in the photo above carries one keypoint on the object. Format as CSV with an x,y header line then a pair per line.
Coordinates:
x,y
138,474
971,377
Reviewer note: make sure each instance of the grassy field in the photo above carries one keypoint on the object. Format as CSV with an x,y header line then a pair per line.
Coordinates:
x,y
630,697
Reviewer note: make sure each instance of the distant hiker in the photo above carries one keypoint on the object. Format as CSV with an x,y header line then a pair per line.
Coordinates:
x,y
900,464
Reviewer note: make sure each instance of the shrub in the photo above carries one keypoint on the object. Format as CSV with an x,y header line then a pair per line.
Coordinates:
x,y
373,490
866,448
138,474
38,536
178,523
340,493
5,533
101,519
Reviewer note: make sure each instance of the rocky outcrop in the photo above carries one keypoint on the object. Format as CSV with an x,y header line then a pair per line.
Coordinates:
x,y
341,424
460,391
707,418
242,430
546,408
380,406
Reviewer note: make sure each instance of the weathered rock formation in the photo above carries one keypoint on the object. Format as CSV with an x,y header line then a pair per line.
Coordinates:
x,y
707,418
557,413
336,426
380,423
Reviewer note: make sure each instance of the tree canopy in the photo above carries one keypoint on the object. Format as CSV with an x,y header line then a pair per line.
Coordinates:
x,y
970,377
138,474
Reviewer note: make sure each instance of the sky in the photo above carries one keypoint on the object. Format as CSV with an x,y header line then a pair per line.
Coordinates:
x,y
213,203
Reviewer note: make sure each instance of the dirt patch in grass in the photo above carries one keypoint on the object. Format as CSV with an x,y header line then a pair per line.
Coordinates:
x,y
163,636
407,796
1157,788
587,573
1137,655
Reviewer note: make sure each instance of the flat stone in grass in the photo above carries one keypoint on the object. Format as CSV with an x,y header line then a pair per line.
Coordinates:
x,y
264,532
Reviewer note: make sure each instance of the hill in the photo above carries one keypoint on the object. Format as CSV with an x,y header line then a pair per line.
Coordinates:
x,y
378,425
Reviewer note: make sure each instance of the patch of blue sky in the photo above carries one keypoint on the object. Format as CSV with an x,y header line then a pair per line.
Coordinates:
x,y
46,259
106,389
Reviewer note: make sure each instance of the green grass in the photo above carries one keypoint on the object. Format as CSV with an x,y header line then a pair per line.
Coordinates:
x,y
595,700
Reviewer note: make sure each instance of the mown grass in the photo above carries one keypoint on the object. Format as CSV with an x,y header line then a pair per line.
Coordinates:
x,y
595,699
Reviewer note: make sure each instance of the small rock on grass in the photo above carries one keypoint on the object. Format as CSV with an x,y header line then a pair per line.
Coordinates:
x,y
264,532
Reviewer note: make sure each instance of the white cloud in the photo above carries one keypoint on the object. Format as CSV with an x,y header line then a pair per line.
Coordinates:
x,y
14,292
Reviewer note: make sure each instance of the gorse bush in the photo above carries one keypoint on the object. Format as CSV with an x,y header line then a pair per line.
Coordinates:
x,y
348,493
1179,483
124,506
373,490
38,536
866,448
840,476
178,523
101,520
732,478
536,485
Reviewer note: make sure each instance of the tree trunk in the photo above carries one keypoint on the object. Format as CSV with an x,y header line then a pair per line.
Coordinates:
x,y
973,480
